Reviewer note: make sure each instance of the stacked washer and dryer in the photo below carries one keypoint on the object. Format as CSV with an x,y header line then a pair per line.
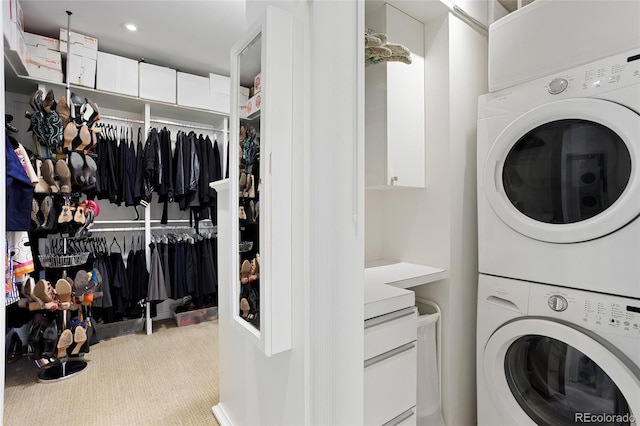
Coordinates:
x,y
558,334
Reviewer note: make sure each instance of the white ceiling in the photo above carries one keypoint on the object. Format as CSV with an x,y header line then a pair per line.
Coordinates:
x,y
190,36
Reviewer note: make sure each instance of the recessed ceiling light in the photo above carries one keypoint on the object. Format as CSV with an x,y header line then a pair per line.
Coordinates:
x,y
131,27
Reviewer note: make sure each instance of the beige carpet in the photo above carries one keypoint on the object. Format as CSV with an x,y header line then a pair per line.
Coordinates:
x,y
168,378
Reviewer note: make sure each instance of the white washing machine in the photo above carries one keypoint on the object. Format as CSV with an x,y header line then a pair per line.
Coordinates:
x,y
548,355
559,178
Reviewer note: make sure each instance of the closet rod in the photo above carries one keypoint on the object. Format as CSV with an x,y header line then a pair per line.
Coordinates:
x,y
187,125
141,228
116,221
127,120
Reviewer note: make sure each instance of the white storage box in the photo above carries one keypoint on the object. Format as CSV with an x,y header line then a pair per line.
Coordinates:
x,y
117,74
219,84
37,40
193,91
157,83
82,70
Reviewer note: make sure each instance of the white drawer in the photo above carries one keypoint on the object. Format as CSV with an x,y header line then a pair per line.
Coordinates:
x,y
383,333
390,384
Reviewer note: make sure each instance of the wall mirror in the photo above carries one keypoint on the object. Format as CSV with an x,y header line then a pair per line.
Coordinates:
x,y
260,179
249,182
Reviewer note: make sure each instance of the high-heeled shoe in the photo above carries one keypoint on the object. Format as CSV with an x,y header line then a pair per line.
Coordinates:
x,y
42,293
244,272
65,340
49,337
80,336
254,274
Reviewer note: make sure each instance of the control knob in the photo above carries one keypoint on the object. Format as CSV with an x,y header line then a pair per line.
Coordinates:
x,y
558,85
557,303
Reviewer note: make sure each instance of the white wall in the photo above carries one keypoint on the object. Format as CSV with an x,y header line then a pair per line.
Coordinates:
x,y
437,226
320,380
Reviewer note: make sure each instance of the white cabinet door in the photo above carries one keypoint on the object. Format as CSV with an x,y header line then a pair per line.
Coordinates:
x,y
394,112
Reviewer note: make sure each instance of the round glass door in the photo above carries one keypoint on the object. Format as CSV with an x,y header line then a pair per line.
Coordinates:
x,y
556,384
539,371
566,171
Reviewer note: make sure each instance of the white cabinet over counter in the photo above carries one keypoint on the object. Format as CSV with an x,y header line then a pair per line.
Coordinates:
x,y
394,105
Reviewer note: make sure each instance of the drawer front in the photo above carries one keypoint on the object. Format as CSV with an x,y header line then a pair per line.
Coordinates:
x,y
383,333
390,384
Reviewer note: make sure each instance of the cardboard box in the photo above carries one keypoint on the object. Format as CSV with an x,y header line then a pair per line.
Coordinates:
x,y
244,92
39,69
12,13
117,74
79,49
15,48
254,104
86,41
194,91
157,83
41,52
82,71
257,83
42,41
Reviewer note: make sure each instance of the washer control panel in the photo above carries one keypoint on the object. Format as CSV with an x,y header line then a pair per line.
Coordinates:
x,y
593,311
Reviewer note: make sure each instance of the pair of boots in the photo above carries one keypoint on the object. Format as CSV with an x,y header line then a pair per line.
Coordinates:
x,y
45,121
54,177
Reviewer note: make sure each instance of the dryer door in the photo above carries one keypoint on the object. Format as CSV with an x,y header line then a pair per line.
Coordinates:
x,y
543,372
567,171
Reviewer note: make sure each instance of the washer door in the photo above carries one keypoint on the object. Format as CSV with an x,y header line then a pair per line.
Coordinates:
x,y
566,171
544,372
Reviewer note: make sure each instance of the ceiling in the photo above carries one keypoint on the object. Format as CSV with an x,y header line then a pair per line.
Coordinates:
x,y
512,5
190,36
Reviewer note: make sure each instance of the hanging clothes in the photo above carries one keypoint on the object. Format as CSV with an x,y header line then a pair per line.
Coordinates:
x,y
157,291
19,189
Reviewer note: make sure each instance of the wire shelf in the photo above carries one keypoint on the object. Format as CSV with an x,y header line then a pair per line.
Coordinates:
x,y
63,260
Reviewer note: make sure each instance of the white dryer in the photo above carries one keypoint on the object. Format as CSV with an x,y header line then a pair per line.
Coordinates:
x,y
559,178
549,355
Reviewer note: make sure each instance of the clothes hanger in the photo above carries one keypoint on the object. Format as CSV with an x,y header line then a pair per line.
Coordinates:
x,y
115,241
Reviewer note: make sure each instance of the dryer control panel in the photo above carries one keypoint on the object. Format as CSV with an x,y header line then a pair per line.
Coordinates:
x,y
593,311
595,79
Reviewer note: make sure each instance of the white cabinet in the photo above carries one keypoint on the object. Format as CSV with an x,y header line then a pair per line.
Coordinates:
x,y
390,368
394,106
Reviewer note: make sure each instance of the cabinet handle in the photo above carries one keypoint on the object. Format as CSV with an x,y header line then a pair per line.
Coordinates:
x,y
388,317
393,180
401,418
387,355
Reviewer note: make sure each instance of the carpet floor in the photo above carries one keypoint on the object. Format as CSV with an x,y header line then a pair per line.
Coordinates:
x,y
167,378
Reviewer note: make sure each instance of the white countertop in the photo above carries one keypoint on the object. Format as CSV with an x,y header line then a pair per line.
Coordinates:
x,y
386,283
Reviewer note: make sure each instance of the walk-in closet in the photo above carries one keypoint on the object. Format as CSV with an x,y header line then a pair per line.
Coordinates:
x,y
113,139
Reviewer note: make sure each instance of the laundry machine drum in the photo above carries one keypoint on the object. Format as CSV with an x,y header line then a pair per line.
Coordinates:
x,y
566,171
555,383
548,372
